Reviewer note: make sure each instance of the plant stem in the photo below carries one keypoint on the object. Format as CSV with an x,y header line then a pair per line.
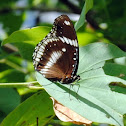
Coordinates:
x,y
17,85
35,87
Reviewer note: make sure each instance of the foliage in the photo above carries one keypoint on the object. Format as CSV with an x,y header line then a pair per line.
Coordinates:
x,y
101,92
30,110
94,94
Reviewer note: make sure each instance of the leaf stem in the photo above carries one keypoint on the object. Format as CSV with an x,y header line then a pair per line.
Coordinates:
x,y
17,85
35,87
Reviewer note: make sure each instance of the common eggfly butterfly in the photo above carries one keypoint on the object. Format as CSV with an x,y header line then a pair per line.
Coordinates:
x,y
56,57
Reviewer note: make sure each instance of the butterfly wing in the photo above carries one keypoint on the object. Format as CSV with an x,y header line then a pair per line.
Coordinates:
x,y
56,56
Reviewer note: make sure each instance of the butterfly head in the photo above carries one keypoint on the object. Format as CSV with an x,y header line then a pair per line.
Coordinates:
x,y
69,80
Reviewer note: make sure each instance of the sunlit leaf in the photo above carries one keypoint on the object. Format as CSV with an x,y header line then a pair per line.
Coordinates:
x,y
92,97
87,6
26,40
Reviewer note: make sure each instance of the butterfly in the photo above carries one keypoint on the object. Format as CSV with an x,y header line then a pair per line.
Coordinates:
x,y
56,57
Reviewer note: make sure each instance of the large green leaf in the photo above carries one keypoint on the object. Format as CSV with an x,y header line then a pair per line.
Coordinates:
x,y
87,6
26,40
32,35
37,106
9,100
95,99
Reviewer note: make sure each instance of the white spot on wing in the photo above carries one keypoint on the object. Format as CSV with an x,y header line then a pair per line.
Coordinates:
x,y
44,71
41,50
76,44
62,39
42,47
39,44
38,55
54,34
37,59
36,48
66,40
50,40
41,53
46,42
49,64
53,58
64,49
74,58
69,41
49,35
67,22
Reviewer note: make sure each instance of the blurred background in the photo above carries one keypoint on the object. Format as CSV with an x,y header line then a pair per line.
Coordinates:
x,y
105,22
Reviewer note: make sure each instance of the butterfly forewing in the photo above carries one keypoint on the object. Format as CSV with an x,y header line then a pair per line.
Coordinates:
x,y
56,56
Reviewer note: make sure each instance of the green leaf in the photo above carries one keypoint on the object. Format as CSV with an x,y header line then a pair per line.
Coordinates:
x,y
85,38
26,49
92,97
96,53
26,40
8,19
32,35
11,75
9,100
37,106
87,6
115,70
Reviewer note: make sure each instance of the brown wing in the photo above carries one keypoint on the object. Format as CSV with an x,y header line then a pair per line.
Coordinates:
x,y
57,56
57,61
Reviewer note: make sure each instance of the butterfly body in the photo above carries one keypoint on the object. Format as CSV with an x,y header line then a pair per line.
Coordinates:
x,y
56,57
